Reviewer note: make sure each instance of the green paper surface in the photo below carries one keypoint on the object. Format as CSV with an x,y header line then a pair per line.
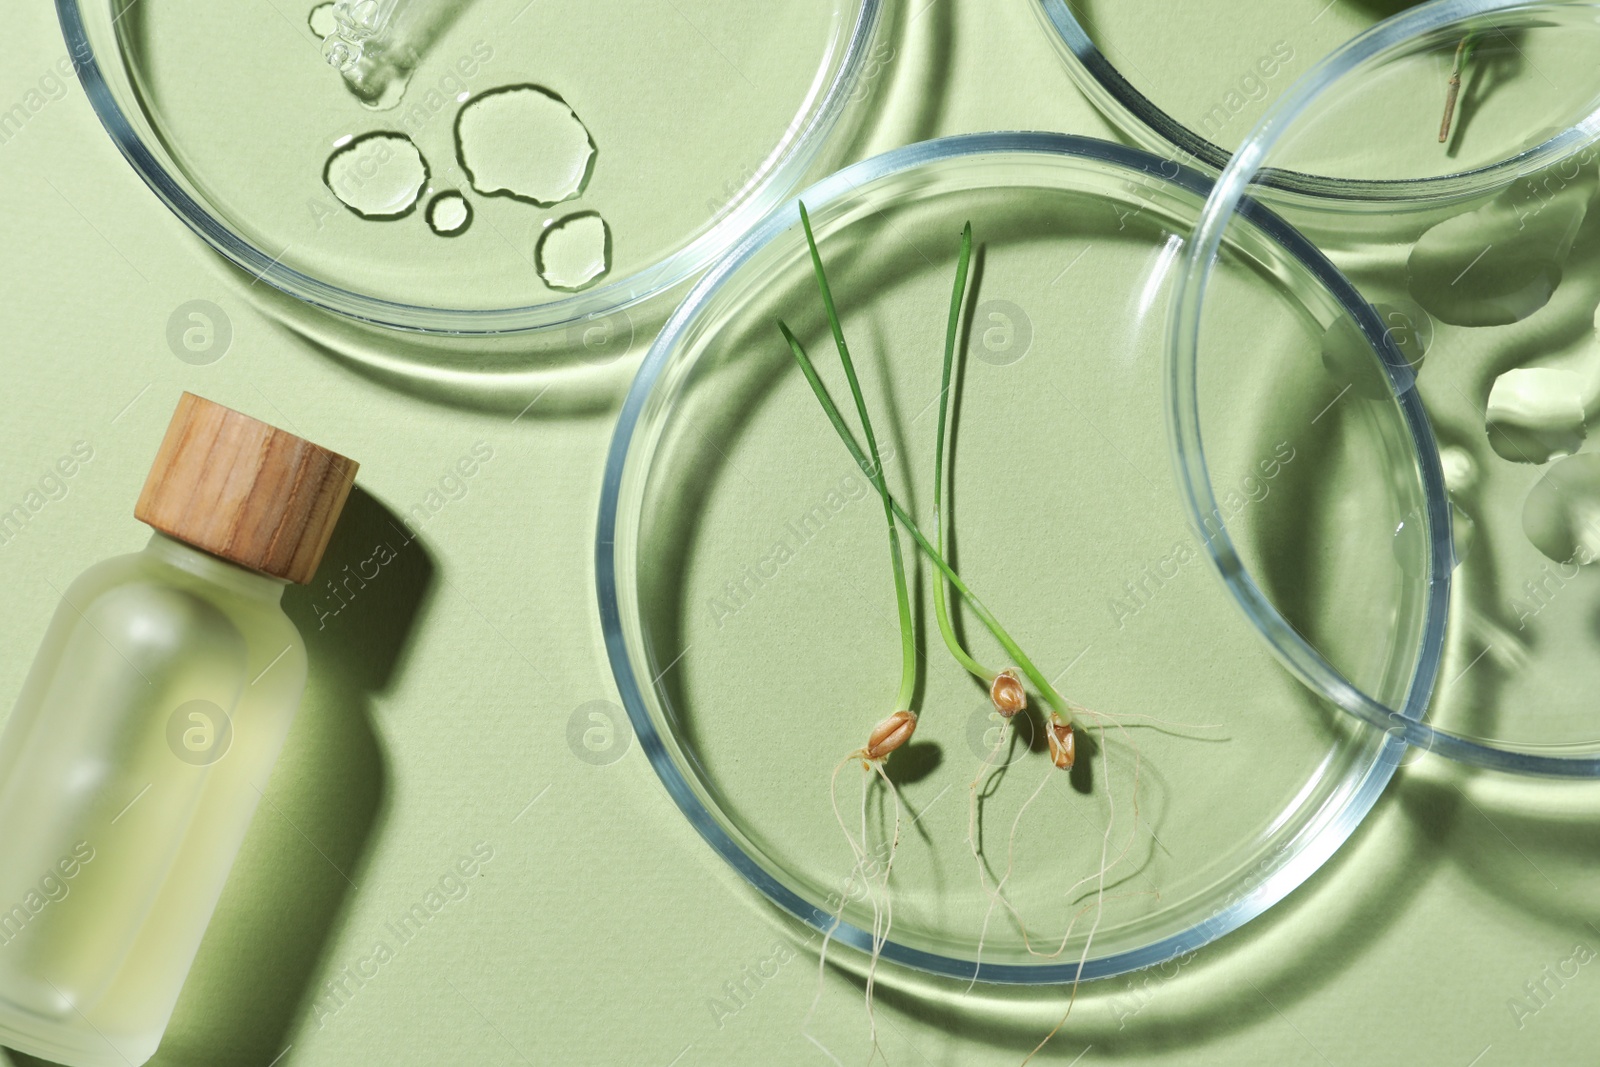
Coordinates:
x,y
463,700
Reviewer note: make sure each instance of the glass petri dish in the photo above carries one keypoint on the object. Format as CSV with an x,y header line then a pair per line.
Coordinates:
x,y
1487,299
749,613
483,167
1193,79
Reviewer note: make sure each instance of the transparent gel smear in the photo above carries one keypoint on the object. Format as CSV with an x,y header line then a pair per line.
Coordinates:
x,y
524,142
246,114
1503,262
574,251
379,176
449,214
322,21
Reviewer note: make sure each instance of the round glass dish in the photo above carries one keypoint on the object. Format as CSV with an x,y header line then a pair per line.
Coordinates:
x,y
499,166
748,608
1193,79
1488,302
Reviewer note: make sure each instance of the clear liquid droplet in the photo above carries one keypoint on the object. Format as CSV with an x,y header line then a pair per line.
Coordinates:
x,y
322,21
1410,544
525,142
449,214
377,176
574,251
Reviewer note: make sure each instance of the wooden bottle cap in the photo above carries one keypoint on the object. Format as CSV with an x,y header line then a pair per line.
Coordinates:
x,y
250,493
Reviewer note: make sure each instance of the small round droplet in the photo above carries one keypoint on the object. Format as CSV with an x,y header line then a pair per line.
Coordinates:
x,y
322,21
378,176
574,251
524,142
449,214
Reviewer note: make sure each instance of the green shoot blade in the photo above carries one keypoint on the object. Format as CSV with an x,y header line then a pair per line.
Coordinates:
x,y
941,608
908,640
1018,656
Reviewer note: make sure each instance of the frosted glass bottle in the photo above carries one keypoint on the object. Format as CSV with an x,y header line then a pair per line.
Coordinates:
x,y
144,735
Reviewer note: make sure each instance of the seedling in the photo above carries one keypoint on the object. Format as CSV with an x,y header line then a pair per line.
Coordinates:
x,y
1006,688
897,729
1464,51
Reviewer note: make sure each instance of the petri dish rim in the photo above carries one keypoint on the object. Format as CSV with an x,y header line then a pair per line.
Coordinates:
x,y
1309,850
1139,116
1229,198
627,291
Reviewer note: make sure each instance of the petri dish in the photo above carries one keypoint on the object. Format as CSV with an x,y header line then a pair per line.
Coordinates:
x,y
445,181
1192,80
1487,301
748,608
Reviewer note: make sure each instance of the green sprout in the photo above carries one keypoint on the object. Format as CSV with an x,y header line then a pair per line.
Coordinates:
x,y
1006,688
874,472
941,606
1464,50
872,468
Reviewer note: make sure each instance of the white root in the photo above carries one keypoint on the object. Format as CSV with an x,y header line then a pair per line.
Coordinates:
x,y
882,912
880,935
972,838
1099,905
858,861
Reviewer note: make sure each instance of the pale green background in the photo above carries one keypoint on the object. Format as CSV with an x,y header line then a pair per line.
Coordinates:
x,y
603,926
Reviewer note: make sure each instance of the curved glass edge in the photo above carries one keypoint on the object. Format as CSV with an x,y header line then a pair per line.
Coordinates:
x,y
1136,114
1229,198
626,292
1115,96
1315,843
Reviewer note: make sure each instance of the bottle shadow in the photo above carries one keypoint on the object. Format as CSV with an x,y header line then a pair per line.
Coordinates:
x,y
303,860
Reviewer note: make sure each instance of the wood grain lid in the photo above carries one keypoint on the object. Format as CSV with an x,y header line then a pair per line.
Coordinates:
x,y
250,493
